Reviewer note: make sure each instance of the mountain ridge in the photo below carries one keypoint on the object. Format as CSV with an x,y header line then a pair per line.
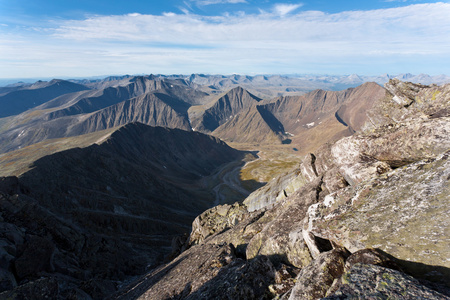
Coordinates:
x,y
108,211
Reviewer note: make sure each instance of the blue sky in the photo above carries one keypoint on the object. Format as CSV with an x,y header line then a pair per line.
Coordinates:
x,y
87,38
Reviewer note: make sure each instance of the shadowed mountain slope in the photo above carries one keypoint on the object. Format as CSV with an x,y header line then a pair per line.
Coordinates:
x,y
108,211
253,125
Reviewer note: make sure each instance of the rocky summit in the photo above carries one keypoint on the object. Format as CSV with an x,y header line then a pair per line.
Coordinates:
x,y
161,210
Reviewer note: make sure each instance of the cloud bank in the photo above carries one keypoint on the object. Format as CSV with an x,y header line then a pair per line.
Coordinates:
x,y
280,41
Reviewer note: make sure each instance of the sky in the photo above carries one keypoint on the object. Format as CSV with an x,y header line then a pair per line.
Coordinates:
x,y
84,38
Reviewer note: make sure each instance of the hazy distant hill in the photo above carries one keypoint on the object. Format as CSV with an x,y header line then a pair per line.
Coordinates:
x,y
20,100
150,100
101,98
269,86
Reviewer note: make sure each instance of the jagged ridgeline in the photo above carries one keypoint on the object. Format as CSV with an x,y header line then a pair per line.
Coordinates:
x,y
112,189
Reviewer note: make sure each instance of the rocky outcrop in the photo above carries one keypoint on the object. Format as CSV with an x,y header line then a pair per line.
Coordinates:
x,y
423,102
275,190
410,203
215,220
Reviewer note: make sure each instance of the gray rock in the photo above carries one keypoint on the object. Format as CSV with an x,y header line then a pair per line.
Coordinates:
x,y
184,275
215,220
240,280
281,238
375,282
277,189
7,280
409,203
35,258
314,280
41,289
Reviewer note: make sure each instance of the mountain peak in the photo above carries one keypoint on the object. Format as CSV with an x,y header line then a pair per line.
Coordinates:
x,y
225,108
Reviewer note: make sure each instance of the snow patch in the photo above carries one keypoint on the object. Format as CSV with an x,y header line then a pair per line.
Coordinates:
x,y
309,125
21,133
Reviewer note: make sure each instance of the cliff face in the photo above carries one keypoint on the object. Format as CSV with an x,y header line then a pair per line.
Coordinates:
x,y
366,216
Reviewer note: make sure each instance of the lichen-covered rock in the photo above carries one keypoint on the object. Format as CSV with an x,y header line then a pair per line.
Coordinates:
x,y
375,282
420,100
285,278
282,237
7,280
404,213
404,92
35,258
370,256
314,280
215,220
276,190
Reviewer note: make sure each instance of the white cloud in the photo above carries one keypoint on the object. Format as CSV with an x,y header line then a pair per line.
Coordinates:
x,y
366,30
309,41
283,9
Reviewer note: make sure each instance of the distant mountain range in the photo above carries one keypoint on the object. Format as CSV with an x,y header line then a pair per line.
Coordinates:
x,y
260,85
236,115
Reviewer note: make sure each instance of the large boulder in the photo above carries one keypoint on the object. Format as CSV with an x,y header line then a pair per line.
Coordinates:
x,y
314,280
215,220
